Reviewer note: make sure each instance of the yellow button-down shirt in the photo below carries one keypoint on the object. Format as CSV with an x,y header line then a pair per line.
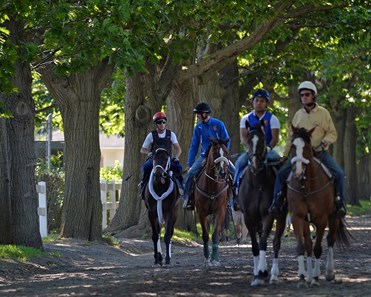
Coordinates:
x,y
318,117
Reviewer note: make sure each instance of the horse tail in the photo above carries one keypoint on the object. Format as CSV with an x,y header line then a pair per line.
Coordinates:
x,y
343,236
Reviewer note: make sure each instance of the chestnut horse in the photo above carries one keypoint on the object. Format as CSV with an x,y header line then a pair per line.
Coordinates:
x,y
161,198
310,196
211,191
254,198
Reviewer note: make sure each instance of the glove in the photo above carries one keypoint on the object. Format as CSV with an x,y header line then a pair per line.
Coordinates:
x,y
175,160
283,159
149,155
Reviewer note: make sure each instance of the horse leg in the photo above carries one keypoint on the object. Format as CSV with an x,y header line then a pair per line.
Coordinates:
x,y
205,235
267,223
308,243
333,227
280,228
169,231
298,224
320,230
255,251
156,241
218,222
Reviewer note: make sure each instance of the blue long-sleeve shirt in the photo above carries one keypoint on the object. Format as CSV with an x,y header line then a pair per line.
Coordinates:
x,y
213,128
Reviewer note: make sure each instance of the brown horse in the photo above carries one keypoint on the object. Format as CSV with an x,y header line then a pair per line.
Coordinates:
x,y
211,191
254,198
161,198
310,197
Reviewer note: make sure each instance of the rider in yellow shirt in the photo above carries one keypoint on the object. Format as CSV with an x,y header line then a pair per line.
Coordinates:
x,y
309,116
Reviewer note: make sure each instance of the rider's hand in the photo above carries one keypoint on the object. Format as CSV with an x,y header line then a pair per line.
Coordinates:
x,y
283,159
149,155
324,143
269,148
187,169
175,160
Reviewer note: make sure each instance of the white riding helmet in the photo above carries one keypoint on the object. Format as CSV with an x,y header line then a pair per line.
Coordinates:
x,y
309,86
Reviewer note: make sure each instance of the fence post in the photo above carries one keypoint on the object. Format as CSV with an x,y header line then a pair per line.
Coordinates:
x,y
42,209
103,197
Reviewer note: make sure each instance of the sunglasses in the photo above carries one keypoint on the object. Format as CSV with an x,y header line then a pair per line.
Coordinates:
x,y
160,122
305,94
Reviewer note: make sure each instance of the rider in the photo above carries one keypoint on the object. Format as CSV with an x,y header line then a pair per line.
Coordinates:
x,y
161,138
260,102
206,127
309,116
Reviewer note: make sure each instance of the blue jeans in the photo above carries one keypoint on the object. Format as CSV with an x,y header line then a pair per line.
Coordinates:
x,y
194,171
243,160
326,159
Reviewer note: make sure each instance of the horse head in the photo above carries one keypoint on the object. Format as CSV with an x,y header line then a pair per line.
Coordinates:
x,y
256,146
301,151
217,159
161,165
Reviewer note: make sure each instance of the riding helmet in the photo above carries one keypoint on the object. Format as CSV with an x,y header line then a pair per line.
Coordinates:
x,y
202,108
262,93
307,85
159,116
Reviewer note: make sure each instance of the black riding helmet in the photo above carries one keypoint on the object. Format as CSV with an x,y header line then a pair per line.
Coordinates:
x,y
202,108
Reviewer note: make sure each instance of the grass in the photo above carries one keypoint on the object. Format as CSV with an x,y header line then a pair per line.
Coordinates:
x,y
21,253
364,208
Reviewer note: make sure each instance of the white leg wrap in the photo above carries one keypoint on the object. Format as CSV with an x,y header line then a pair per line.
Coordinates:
x,y
330,259
309,269
159,246
262,261
317,269
301,270
256,267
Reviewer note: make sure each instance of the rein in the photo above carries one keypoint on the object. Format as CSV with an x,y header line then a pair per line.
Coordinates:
x,y
319,166
164,195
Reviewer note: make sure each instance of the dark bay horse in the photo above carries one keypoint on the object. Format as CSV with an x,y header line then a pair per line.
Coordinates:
x,y
310,196
211,192
254,198
161,198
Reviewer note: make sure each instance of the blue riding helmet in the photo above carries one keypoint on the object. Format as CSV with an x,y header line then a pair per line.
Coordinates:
x,y
262,93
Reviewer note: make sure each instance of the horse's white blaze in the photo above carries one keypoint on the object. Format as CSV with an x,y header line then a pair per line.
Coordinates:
x,y
299,145
222,155
255,141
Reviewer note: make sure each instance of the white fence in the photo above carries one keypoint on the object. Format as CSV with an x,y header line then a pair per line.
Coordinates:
x,y
109,194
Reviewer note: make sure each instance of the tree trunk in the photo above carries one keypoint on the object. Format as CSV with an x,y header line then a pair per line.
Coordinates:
x,y
78,97
339,118
142,100
364,180
5,201
350,157
180,103
18,166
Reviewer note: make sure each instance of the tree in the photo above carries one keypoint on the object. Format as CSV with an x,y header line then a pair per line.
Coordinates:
x,y
19,224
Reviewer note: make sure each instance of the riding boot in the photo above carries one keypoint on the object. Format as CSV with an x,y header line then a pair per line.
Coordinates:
x,y
276,207
341,211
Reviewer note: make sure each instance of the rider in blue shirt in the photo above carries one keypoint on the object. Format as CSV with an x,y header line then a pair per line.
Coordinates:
x,y
205,128
260,102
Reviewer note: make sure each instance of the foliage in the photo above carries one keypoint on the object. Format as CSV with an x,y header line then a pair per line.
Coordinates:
x,y
363,209
112,173
54,180
19,252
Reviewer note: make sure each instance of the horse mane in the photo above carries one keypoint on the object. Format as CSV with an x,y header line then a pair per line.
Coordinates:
x,y
301,133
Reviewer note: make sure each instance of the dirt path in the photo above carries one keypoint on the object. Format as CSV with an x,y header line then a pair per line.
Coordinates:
x,y
89,269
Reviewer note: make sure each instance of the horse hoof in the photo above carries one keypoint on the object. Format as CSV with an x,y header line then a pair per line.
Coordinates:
x,y
302,284
314,283
214,263
257,282
273,281
330,275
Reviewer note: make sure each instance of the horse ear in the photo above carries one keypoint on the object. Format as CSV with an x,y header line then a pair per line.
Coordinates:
x,y
212,140
225,142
